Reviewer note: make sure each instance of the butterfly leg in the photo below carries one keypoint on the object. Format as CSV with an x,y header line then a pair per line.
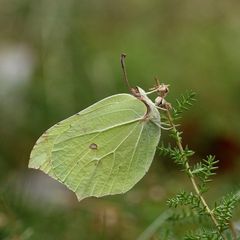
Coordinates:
x,y
160,108
153,91
165,124
164,128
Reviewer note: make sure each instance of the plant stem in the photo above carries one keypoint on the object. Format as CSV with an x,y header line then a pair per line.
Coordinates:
x,y
193,181
234,235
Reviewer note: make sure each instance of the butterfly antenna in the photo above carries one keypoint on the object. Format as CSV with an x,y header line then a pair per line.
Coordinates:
x,y
123,56
157,82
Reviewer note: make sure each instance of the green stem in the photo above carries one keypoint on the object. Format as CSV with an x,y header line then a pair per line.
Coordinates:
x,y
193,181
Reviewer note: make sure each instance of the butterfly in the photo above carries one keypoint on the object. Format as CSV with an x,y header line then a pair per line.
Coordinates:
x,y
106,148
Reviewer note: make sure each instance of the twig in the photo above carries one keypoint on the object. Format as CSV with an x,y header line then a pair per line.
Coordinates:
x,y
195,186
231,227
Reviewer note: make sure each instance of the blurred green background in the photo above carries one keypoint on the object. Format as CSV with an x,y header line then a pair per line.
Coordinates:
x,y
58,57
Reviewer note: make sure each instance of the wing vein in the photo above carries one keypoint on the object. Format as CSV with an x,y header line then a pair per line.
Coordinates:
x,y
135,147
111,152
101,131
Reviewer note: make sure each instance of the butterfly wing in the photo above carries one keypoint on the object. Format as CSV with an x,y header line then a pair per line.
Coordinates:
x,y
104,149
41,154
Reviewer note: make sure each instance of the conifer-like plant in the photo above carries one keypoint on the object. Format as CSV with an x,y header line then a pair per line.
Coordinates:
x,y
214,222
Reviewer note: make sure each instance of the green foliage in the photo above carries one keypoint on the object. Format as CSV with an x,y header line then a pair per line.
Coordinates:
x,y
184,198
223,210
204,170
183,215
179,157
203,235
183,104
200,173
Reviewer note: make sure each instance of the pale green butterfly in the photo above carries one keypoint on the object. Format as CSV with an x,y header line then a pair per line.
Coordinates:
x,y
106,148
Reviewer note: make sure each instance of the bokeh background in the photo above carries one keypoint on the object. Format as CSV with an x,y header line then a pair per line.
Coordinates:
x,y
58,57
